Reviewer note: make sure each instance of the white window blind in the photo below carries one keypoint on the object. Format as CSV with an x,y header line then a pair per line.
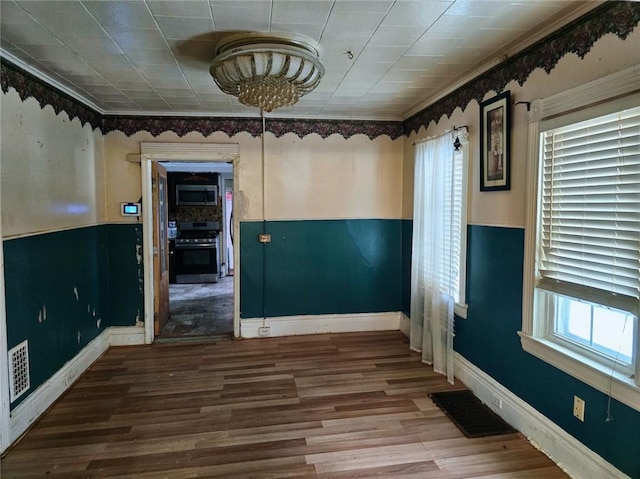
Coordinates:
x,y
590,213
452,227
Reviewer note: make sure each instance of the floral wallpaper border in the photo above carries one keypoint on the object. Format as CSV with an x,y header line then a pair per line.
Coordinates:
x,y
232,126
578,37
28,86
618,17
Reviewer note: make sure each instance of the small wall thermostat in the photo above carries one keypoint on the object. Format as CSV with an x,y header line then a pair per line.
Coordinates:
x,y
130,209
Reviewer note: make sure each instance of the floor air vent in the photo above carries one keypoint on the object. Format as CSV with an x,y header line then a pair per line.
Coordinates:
x,y
19,370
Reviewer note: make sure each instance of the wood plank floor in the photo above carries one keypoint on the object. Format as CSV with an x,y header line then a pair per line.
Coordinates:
x,y
324,406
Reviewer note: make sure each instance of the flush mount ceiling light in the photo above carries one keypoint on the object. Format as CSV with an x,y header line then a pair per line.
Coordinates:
x,y
267,70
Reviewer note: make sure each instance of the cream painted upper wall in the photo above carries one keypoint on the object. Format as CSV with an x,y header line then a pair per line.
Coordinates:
x,y
507,208
317,178
309,178
51,169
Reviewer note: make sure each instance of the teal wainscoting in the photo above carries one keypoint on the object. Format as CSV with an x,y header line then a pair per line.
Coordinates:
x,y
64,288
125,274
56,296
321,267
488,338
407,233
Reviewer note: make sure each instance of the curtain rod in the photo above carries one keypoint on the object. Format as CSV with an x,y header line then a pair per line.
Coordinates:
x,y
455,128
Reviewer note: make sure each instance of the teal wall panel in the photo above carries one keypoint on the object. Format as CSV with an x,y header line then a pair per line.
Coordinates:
x,y
251,270
43,274
407,233
56,296
488,338
125,274
321,267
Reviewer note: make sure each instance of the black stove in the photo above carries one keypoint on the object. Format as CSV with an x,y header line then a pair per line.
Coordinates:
x,y
198,232
196,250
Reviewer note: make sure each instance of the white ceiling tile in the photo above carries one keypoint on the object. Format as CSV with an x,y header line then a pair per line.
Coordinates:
x,y
12,14
87,79
116,15
385,87
182,8
416,63
452,26
206,88
30,34
121,104
415,14
135,38
350,90
152,104
310,31
70,68
213,97
474,8
353,23
175,93
368,70
245,15
381,54
309,11
185,105
370,6
155,72
393,36
428,46
102,44
394,75
50,53
152,56
166,82
67,17
103,62
142,95
183,28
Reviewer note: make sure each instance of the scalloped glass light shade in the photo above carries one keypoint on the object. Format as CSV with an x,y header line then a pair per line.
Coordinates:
x,y
267,71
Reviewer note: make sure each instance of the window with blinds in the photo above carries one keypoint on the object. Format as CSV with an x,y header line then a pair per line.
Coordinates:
x,y
588,247
590,210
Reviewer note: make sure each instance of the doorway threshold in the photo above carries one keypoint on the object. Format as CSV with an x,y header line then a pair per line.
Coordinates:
x,y
194,339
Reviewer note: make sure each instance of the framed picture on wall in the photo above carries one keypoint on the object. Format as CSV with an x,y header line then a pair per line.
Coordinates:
x,y
495,143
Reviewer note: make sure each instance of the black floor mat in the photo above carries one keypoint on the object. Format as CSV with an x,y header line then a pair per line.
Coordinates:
x,y
467,412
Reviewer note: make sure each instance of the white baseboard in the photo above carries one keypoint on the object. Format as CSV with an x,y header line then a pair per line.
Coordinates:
x,y
405,325
576,459
25,414
126,335
318,324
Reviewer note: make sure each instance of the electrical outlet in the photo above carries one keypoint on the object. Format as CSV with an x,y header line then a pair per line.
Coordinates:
x,y
496,401
578,408
264,331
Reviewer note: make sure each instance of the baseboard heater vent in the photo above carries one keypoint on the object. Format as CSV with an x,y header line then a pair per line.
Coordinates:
x,y
467,412
19,381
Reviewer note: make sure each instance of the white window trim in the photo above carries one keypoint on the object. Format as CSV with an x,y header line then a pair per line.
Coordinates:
x,y
611,88
460,308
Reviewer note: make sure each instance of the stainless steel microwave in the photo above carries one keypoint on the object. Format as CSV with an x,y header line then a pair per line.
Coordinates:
x,y
196,195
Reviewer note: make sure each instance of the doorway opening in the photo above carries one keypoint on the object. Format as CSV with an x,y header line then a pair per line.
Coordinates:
x,y
200,248
190,259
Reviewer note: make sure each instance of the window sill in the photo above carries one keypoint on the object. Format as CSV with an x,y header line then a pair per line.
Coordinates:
x,y
460,310
622,388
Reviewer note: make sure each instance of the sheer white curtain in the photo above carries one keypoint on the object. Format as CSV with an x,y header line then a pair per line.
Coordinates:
x,y
433,265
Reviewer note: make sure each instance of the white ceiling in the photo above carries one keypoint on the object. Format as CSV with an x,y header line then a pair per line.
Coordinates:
x,y
152,57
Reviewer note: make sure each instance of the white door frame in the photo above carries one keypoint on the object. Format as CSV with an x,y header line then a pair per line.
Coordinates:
x,y
5,414
197,152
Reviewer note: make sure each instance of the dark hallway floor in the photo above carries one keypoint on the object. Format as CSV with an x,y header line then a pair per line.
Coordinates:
x,y
200,310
